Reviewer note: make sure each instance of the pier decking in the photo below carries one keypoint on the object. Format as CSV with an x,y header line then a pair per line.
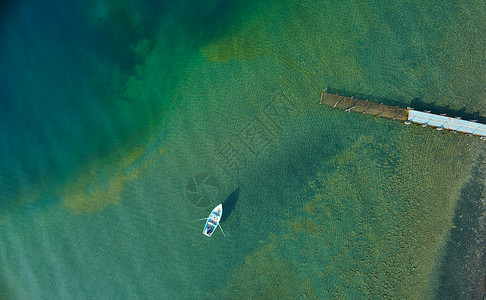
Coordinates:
x,y
447,123
364,107
440,122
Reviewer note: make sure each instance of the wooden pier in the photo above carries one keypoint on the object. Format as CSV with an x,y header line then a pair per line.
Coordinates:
x,y
364,107
409,116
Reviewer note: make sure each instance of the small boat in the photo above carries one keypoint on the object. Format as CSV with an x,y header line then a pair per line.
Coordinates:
x,y
213,220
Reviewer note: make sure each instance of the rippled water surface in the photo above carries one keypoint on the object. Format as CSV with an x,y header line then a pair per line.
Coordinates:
x,y
122,122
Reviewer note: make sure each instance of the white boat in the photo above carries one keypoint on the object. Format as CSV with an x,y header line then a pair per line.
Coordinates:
x,y
213,220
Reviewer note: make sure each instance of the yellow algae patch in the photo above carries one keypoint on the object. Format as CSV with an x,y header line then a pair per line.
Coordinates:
x,y
379,218
373,228
101,184
246,44
265,274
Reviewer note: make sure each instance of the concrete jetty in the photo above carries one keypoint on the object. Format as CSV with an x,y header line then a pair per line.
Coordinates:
x,y
409,115
447,123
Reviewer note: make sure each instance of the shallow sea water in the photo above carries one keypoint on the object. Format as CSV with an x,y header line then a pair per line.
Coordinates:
x,y
123,122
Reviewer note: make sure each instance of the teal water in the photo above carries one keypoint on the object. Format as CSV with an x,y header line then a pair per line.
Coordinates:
x,y
122,122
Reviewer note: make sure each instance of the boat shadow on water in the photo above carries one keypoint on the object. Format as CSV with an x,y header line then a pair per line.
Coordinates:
x,y
229,204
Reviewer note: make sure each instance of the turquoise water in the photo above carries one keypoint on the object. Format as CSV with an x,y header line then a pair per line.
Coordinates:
x,y
123,122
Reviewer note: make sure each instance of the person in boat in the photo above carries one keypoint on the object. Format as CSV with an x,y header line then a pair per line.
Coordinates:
x,y
210,229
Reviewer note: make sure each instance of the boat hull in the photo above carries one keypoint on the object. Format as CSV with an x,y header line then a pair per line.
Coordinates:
x,y
213,220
